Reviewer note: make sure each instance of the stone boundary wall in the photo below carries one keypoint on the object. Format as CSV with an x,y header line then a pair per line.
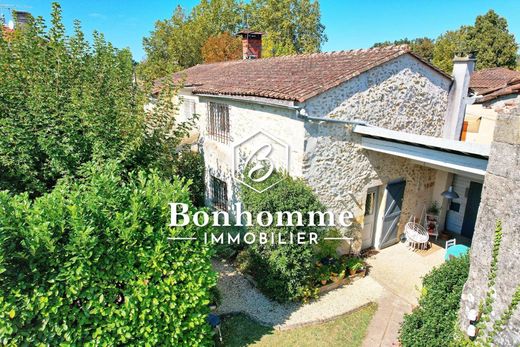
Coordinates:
x,y
500,201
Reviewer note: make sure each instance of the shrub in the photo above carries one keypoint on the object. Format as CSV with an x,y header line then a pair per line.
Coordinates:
x,y
283,271
190,165
90,264
433,322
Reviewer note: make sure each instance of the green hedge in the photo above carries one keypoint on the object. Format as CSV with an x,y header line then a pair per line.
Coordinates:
x,y
283,272
433,323
90,264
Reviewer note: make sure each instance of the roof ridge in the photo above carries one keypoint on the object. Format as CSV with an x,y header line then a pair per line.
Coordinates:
x,y
289,77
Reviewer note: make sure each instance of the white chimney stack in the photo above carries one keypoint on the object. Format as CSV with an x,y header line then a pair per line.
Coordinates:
x,y
463,67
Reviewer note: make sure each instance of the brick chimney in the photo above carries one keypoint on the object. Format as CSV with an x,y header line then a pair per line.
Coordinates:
x,y
458,98
22,18
251,44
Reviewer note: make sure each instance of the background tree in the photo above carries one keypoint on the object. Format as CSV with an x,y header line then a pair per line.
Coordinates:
x,y
291,26
422,46
492,42
176,43
447,45
489,38
222,47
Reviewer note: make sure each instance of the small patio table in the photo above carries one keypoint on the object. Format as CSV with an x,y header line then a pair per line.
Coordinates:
x,y
455,251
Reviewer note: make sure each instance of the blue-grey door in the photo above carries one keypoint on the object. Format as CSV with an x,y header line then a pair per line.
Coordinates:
x,y
472,205
393,206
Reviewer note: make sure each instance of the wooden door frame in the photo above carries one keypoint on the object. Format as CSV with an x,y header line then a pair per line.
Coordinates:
x,y
375,223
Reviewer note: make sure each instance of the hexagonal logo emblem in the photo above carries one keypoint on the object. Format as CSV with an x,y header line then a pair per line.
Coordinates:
x,y
256,157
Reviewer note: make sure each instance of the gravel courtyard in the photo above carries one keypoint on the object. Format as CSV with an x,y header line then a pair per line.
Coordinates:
x,y
239,295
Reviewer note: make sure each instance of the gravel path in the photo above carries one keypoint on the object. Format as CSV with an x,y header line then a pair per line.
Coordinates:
x,y
238,295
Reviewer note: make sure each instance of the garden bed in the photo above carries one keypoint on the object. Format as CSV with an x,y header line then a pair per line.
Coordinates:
x,y
341,282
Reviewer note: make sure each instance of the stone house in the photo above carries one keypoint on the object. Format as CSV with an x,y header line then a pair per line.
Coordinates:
x,y
373,131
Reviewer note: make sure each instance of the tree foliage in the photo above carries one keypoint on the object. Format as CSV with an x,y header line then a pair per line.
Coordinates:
x,y
90,264
64,102
489,39
422,46
222,47
291,26
447,46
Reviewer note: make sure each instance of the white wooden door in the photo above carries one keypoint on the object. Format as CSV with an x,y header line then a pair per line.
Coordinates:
x,y
369,220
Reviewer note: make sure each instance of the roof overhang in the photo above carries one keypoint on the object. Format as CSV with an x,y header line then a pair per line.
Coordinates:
x,y
457,157
253,99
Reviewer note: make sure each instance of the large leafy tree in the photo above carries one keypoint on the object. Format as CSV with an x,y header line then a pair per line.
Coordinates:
x,y
65,102
447,45
491,40
176,42
291,26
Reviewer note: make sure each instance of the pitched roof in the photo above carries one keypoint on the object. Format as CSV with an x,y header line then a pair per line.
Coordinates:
x,y
495,82
295,77
491,78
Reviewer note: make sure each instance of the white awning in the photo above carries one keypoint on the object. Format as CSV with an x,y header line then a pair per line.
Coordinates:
x,y
453,156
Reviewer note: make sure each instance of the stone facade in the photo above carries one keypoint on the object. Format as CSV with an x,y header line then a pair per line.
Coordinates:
x,y
403,95
500,201
246,119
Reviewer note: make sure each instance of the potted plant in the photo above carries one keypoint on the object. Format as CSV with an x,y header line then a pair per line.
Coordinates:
x,y
354,265
323,277
433,209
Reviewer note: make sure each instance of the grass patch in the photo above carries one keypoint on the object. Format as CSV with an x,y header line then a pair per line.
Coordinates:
x,y
348,330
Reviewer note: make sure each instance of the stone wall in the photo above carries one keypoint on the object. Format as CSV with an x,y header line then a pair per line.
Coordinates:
x,y
500,201
341,172
247,119
403,95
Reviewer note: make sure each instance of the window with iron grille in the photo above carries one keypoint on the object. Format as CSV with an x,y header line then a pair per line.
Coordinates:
x,y
218,122
219,193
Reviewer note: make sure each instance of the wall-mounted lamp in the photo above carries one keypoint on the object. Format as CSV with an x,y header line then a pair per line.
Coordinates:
x,y
450,194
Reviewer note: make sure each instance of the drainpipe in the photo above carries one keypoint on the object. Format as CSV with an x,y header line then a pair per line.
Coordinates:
x,y
302,114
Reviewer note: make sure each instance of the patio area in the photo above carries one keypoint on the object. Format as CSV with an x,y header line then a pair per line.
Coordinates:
x,y
399,270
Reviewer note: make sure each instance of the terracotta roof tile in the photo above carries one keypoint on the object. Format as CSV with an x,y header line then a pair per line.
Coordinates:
x,y
296,77
493,78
